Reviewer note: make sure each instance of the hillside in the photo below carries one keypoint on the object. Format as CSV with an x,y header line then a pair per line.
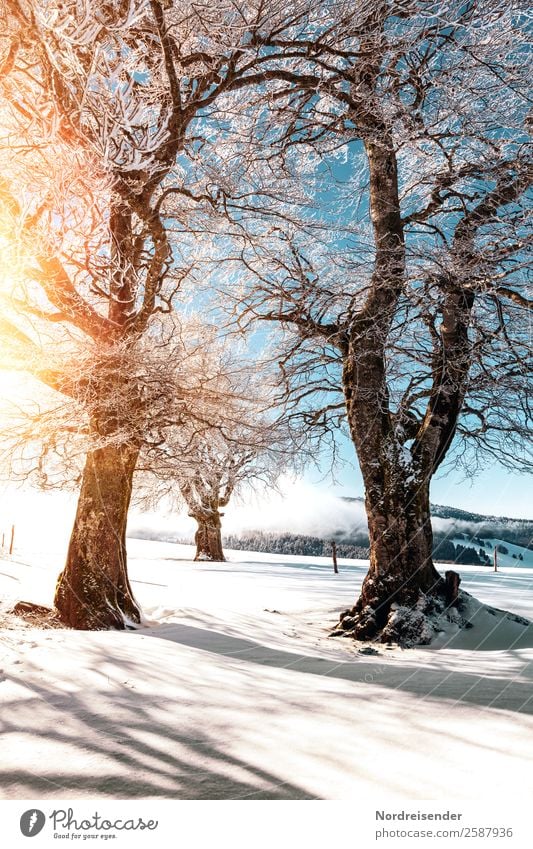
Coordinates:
x,y
518,531
460,536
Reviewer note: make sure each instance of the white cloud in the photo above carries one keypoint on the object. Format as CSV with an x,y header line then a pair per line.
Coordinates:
x,y
297,507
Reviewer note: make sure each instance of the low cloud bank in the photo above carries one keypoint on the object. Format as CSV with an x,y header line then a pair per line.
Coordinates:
x,y
43,521
487,527
297,508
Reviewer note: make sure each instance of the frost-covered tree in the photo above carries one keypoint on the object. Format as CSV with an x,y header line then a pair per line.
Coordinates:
x,y
221,468
105,110
214,465
168,396
388,235
239,440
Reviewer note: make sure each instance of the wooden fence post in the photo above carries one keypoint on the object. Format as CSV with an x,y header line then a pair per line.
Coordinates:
x,y
12,539
334,554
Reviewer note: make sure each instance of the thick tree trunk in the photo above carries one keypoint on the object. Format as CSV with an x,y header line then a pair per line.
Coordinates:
x,y
93,591
402,580
402,584
208,537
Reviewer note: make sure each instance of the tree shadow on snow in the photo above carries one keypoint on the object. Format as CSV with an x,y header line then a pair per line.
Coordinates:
x,y
125,750
428,681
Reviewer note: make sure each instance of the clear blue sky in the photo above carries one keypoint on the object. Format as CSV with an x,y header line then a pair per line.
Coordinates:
x,y
495,491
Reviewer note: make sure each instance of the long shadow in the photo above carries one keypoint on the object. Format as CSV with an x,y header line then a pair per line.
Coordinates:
x,y
130,753
391,674
178,736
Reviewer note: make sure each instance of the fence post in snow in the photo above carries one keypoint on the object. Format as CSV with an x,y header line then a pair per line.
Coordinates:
x,y
12,539
334,554
495,558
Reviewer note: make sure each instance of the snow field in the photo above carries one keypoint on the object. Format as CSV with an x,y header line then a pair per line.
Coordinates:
x,y
233,690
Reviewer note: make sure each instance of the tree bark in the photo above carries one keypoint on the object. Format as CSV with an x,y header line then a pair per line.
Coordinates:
x,y
93,591
402,579
401,574
208,537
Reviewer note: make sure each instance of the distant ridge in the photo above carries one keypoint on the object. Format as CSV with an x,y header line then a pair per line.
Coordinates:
x,y
459,536
442,511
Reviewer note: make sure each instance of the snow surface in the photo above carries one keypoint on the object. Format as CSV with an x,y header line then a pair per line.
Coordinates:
x,y
488,544
232,689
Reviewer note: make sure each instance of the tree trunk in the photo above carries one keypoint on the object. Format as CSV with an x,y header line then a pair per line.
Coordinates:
x,y
93,591
401,574
402,583
208,537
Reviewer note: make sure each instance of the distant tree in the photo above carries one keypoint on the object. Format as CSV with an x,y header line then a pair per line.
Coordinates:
x,y
245,443
221,467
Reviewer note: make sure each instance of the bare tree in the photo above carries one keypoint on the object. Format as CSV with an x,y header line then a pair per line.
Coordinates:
x,y
409,124
221,468
105,108
238,440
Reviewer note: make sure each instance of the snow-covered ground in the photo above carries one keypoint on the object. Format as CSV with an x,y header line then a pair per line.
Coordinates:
x,y
507,559
233,689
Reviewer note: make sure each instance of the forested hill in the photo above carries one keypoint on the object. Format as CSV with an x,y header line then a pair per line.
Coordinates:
x,y
442,511
460,537
476,525
287,543
471,551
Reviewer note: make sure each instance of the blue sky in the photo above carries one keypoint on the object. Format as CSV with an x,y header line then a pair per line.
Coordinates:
x,y
494,491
